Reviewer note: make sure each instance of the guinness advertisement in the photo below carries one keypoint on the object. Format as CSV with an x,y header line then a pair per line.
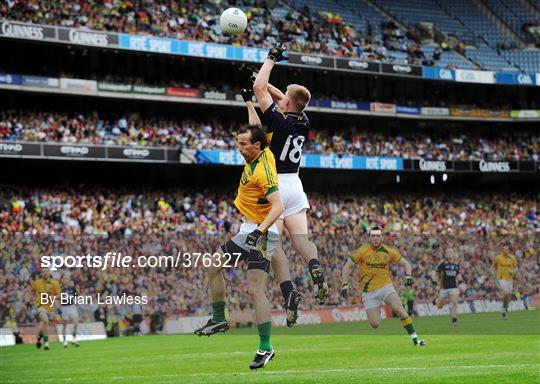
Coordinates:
x,y
402,69
484,166
495,166
26,31
358,65
311,60
433,165
77,36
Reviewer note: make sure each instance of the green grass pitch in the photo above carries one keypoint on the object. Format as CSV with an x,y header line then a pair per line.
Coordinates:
x,y
483,349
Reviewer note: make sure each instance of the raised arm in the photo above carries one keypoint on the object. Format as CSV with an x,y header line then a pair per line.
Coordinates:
x,y
253,117
276,94
260,86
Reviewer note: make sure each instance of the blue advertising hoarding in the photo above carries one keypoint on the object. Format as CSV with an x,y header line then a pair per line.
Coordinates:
x,y
309,160
191,48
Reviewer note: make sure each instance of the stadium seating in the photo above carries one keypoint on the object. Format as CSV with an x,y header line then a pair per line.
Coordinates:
x,y
93,128
416,11
513,13
198,21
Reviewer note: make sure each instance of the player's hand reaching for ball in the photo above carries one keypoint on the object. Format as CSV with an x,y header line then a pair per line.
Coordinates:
x,y
253,237
345,290
277,54
407,280
253,72
247,94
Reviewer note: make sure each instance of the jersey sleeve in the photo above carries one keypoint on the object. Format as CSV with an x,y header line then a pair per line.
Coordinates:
x,y
266,176
395,256
355,257
440,266
273,118
56,288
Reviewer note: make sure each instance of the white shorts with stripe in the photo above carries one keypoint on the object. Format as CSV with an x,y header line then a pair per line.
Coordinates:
x,y
376,298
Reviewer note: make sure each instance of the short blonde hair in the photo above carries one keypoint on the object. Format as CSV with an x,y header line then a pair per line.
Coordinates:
x,y
299,96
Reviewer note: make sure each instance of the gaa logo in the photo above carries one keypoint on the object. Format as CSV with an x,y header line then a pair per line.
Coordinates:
x,y
233,25
445,74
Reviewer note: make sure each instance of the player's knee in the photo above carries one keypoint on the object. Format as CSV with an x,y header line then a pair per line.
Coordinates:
x,y
374,323
300,242
255,288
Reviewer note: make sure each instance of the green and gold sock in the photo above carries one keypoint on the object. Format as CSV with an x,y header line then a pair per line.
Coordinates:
x,y
265,329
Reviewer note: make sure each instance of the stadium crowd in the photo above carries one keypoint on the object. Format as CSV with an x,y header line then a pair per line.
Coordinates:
x,y
269,22
132,129
96,220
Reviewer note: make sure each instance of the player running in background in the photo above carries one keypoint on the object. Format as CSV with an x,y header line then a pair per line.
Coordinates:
x,y
505,265
288,126
448,271
374,260
44,289
260,204
69,312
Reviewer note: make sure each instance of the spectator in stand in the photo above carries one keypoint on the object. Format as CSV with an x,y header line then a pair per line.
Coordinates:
x,y
132,129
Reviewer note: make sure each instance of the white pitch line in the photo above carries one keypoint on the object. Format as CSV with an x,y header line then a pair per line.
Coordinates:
x,y
282,372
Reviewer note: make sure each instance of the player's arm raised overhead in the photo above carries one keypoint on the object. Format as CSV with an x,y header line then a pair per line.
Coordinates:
x,y
253,117
276,94
260,86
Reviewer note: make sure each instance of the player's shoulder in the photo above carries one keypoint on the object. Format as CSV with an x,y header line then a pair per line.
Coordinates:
x,y
361,250
364,247
266,160
274,108
391,250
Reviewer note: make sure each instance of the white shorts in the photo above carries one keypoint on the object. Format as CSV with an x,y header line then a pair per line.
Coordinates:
x,y
506,286
376,298
449,292
69,313
265,246
292,193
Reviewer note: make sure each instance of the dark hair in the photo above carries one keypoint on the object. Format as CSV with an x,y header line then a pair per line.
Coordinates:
x,y
375,228
257,134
